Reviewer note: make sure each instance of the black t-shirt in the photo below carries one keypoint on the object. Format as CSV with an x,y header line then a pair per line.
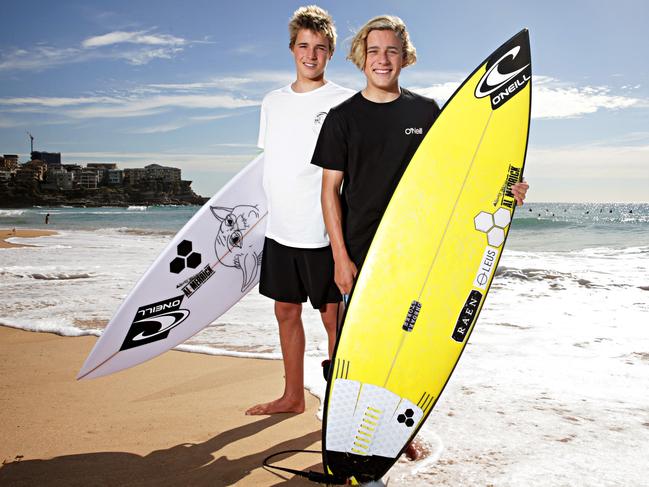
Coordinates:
x,y
372,143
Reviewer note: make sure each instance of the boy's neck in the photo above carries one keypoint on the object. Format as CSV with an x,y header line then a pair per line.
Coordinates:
x,y
304,85
379,95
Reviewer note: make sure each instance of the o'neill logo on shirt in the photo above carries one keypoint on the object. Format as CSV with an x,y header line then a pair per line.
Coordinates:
x,y
508,71
153,322
414,131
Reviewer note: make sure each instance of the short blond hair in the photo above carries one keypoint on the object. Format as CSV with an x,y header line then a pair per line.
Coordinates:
x,y
314,19
358,49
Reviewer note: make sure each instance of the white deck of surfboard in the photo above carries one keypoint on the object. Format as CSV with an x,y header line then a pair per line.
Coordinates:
x,y
211,263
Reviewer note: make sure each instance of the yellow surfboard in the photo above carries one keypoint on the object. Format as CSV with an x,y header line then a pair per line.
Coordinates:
x,y
429,268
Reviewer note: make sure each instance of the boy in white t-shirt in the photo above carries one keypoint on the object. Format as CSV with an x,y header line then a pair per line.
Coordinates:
x,y
297,262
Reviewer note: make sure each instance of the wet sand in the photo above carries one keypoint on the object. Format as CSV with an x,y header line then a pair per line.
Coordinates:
x,y
24,233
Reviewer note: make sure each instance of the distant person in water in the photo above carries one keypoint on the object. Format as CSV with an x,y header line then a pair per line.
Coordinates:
x,y
47,219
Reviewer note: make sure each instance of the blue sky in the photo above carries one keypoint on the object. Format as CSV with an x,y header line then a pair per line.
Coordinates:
x,y
177,83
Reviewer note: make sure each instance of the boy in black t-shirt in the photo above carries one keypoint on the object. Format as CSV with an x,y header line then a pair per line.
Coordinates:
x,y
366,144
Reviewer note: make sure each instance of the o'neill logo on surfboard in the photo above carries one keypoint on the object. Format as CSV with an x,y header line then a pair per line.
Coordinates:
x,y
153,322
508,71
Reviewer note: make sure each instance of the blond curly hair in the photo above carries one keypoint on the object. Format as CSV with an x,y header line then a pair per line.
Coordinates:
x,y
358,49
313,18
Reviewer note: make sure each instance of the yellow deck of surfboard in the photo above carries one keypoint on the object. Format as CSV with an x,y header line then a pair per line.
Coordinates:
x,y
427,248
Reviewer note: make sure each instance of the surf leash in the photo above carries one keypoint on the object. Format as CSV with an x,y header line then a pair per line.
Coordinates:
x,y
313,476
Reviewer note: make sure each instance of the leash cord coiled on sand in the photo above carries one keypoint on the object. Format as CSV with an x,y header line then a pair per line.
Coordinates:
x,y
319,477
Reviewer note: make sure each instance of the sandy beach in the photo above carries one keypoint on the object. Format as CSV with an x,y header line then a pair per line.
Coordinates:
x,y
175,420
24,233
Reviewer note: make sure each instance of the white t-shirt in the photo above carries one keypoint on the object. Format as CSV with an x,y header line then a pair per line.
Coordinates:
x,y
288,131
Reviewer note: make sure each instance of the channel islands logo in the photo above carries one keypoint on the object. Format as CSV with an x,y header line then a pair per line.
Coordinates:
x,y
186,257
493,224
406,418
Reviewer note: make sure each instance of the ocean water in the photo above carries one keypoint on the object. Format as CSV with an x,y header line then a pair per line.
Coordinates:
x,y
551,390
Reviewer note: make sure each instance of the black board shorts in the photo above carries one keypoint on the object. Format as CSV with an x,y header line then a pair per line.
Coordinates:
x,y
290,275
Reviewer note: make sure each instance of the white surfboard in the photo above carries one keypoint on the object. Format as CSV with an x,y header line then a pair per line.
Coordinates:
x,y
207,267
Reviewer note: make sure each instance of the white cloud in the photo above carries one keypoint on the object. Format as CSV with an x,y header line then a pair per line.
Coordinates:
x,y
55,102
440,92
186,122
145,47
157,104
139,37
257,82
554,99
144,56
40,58
157,46
124,106
228,82
157,129
209,118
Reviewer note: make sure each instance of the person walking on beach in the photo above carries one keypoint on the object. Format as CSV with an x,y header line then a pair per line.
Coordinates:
x,y
47,219
297,262
364,149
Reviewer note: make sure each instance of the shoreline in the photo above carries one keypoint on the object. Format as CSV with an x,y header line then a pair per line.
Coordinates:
x,y
72,204
175,420
6,233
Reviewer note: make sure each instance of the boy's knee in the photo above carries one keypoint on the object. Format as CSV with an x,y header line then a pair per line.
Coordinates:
x,y
287,311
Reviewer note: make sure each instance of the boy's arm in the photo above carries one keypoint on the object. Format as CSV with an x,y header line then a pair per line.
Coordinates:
x,y
345,270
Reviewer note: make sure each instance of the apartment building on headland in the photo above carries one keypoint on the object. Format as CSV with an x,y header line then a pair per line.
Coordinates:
x,y
46,170
133,176
162,173
9,162
8,166
49,158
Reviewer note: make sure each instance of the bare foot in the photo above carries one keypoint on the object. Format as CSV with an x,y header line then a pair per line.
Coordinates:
x,y
281,405
416,450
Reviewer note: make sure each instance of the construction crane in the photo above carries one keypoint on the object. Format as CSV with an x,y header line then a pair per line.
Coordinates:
x,y
31,140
